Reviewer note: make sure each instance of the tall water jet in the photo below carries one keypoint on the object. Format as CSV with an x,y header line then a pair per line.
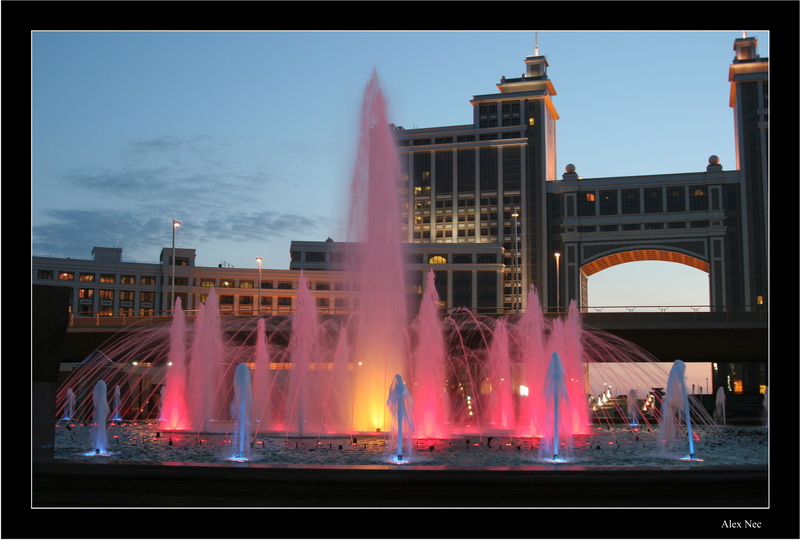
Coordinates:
x,y
69,406
558,424
100,418
431,413
719,409
305,328
633,408
174,412
207,354
501,413
377,264
117,414
530,335
262,379
566,338
675,406
401,404
240,412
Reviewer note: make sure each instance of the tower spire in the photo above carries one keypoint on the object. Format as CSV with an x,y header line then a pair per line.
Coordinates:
x,y
536,43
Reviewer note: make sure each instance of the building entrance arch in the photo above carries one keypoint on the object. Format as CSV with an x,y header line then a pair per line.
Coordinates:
x,y
635,255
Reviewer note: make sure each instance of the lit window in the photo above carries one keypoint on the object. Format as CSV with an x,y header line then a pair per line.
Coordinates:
x,y
437,259
66,276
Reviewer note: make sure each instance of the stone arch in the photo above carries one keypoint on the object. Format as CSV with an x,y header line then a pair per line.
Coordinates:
x,y
634,255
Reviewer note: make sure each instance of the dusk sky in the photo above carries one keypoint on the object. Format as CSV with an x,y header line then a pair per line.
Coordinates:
x,y
249,138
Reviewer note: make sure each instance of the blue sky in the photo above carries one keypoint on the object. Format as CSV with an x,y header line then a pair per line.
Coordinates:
x,y
248,138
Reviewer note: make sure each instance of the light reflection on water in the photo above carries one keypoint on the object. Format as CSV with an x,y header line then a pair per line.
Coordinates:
x,y
603,446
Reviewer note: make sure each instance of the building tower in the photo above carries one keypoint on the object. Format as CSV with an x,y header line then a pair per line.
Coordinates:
x,y
485,182
749,98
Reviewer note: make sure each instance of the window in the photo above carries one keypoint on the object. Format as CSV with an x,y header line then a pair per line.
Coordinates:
x,y
85,293
128,280
226,300
630,201
512,167
284,301
608,203
315,257
147,280
586,204
487,259
107,278
205,282
653,200
284,285
437,259
489,167
127,295
676,199
465,170
444,172
698,198
147,296
44,274
86,277
64,276
245,284
226,283
245,300
462,259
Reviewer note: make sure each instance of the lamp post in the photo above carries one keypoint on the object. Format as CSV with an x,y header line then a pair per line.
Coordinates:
x,y
175,225
558,282
258,260
517,285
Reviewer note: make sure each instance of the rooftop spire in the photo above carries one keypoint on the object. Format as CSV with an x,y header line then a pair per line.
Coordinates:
x,y
536,43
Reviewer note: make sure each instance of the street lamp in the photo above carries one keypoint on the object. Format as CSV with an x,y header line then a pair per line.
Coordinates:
x,y
558,282
517,285
258,260
175,225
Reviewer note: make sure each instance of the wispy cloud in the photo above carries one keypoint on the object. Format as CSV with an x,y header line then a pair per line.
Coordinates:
x,y
154,181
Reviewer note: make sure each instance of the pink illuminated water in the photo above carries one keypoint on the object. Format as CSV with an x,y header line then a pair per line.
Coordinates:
x,y
380,350
431,415
463,373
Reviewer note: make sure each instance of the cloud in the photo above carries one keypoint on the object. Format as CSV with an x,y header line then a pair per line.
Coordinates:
x,y
205,182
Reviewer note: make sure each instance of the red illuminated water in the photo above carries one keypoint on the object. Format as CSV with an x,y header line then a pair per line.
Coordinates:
x,y
465,374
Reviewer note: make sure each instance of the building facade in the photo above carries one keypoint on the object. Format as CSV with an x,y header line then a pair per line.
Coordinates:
x,y
484,208
495,180
105,286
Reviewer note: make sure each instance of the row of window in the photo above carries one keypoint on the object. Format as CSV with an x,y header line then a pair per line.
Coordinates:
x,y
641,226
642,200
151,280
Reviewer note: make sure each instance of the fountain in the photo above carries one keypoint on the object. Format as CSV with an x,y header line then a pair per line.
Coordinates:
x,y
719,410
431,413
633,409
117,414
557,428
69,406
100,418
675,407
401,404
240,412
520,378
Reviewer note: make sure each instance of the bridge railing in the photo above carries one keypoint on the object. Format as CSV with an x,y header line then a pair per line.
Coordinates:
x,y
590,312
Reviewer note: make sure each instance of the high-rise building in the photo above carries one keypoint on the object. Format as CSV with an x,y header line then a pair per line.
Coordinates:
x,y
495,180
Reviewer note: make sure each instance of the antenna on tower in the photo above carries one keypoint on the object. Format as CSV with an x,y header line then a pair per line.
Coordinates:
x,y
536,43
